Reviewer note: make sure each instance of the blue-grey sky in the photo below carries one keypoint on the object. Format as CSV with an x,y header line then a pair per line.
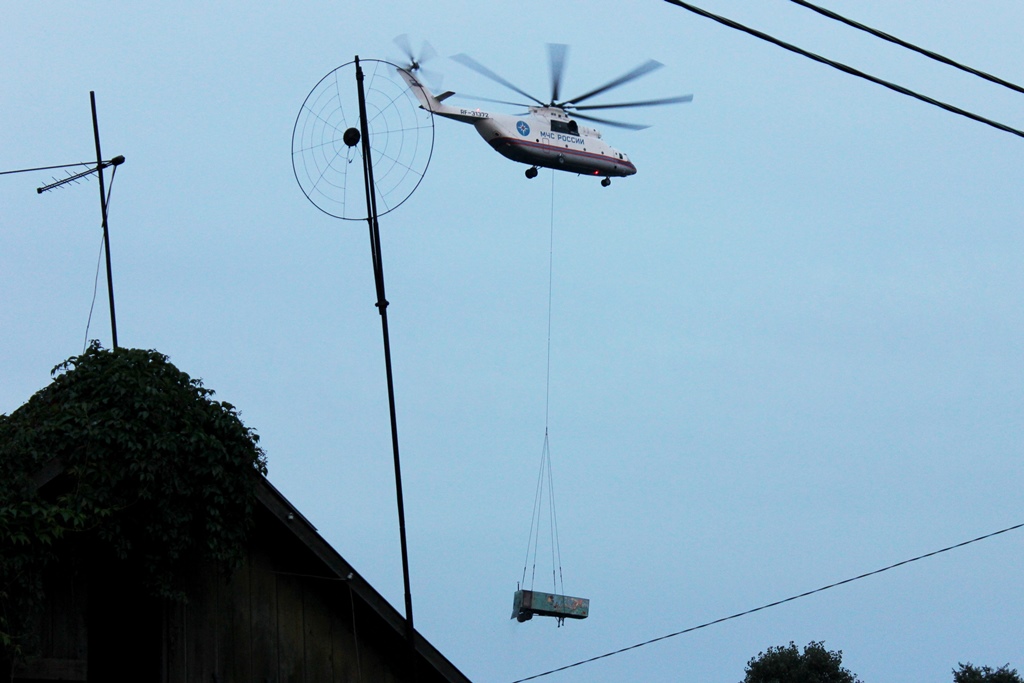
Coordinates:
x,y
786,352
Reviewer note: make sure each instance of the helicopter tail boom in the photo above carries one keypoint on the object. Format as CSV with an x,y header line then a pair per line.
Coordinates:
x,y
434,103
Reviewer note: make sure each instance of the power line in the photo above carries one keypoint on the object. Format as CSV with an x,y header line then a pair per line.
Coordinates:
x,y
771,604
846,69
910,46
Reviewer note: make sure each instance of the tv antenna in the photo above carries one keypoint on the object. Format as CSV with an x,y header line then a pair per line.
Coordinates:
x,y
364,111
73,178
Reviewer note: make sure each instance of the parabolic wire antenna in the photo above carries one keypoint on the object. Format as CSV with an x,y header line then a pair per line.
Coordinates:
x,y
327,147
360,147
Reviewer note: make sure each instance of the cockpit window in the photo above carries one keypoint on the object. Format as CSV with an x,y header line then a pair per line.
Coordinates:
x,y
568,127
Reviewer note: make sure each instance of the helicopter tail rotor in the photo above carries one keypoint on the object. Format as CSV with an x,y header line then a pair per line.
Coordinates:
x,y
414,61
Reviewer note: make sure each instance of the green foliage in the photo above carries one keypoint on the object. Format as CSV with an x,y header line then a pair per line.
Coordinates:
x,y
968,673
786,664
155,473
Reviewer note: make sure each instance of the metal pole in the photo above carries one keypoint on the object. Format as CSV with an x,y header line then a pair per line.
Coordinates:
x,y
382,307
103,211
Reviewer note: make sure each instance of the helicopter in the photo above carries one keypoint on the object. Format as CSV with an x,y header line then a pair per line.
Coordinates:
x,y
548,134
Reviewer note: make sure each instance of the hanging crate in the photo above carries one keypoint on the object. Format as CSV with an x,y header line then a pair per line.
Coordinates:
x,y
528,603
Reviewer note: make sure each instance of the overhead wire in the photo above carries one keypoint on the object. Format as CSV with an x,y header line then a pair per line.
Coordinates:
x,y
845,68
910,46
49,168
771,604
897,88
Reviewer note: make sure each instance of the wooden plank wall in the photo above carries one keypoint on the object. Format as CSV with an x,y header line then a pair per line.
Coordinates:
x,y
280,618
279,622
61,628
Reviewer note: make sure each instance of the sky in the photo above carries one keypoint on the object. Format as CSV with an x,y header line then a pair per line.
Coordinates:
x,y
785,353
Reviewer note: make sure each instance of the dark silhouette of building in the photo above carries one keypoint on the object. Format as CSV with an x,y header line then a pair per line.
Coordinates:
x,y
294,611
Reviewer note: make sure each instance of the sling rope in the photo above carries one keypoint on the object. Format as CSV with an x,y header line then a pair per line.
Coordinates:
x,y
545,489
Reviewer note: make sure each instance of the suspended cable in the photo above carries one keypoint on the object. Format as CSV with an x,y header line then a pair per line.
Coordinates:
x,y
771,604
556,550
910,46
844,68
96,278
355,633
551,270
95,288
531,546
545,478
48,168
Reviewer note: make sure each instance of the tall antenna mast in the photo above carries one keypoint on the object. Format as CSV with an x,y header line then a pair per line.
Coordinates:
x,y
74,178
103,211
324,145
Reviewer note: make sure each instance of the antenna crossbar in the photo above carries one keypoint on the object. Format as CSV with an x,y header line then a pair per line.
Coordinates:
x,y
116,161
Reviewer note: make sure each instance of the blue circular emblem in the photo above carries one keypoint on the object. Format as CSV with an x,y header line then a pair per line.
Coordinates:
x,y
523,128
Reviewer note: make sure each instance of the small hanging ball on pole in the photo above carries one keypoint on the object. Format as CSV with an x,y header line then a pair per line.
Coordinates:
x,y
329,135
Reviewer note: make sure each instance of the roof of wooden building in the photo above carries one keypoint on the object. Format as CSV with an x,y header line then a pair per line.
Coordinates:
x,y
289,555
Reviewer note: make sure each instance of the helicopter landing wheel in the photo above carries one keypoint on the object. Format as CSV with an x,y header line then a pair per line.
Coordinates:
x,y
531,172
605,182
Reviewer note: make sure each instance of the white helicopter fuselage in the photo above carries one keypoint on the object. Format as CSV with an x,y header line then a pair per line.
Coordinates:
x,y
546,136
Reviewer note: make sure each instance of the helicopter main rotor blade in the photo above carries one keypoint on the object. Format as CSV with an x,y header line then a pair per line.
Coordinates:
x,y
556,57
645,68
614,124
476,66
643,103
